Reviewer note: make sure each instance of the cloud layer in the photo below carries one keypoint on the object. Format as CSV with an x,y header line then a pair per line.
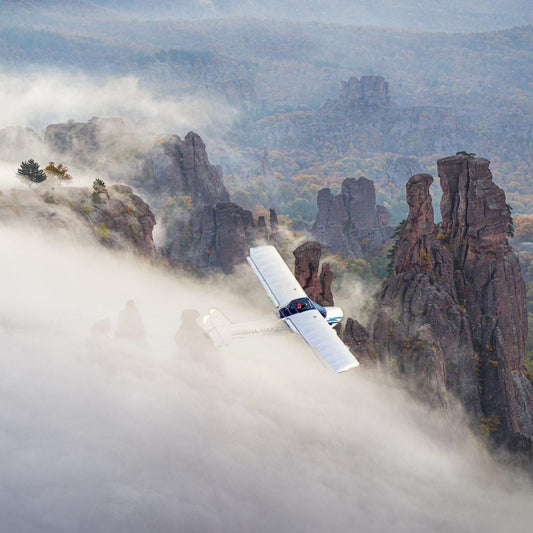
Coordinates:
x,y
105,434
41,98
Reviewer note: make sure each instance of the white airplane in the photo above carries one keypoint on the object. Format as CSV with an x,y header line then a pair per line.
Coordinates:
x,y
303,316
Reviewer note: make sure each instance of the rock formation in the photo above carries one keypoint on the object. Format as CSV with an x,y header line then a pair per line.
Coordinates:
x,y
160,166
215,237
451,317
369,91
364,119
318,287
357,338
122,220
317,284
175,167
351,221
202,228
96,143
476,220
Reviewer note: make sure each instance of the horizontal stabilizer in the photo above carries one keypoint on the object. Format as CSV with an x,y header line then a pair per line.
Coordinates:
x,y
222,331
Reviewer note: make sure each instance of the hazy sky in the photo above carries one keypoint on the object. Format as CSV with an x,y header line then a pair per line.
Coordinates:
x,y
103,434
447,15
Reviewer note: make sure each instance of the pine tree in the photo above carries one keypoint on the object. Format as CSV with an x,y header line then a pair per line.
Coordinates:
x,y
31,172
99,188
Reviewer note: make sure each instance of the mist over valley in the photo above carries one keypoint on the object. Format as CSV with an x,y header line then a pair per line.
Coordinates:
x,y
109,433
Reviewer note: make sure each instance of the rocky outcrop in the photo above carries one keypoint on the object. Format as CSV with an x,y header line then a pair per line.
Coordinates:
x,y
357,338
317,285
122,220
315,282
216,237
175,167
94,143
350,222
451,317
202,229
274,224
369,91
160,166
413,334
377,128
363,119
329,225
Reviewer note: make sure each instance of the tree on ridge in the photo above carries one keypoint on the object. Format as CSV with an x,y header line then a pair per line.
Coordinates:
x,y
31,172
59,172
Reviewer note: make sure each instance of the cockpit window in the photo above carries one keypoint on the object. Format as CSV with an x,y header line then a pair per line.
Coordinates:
x,y
299,306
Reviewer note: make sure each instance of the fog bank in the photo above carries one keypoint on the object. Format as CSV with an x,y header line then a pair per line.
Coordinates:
x,y
100,433
43,97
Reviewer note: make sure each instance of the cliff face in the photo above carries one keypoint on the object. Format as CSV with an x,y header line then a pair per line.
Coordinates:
x,y
351,220
452,314
476,218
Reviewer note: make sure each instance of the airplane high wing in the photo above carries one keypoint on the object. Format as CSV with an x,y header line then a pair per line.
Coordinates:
x,y
275,276
305,317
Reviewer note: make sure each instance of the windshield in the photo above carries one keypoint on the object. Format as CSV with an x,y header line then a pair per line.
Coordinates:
x,y
321,310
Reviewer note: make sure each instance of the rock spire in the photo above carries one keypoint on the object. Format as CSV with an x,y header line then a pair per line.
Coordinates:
x,y
452,315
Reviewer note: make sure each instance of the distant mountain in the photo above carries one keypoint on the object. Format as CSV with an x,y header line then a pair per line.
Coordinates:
x,y
35,9
447,16
450,15
448,92
80,17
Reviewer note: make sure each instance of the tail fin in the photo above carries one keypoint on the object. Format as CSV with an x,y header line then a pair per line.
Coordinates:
x,y
218,326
